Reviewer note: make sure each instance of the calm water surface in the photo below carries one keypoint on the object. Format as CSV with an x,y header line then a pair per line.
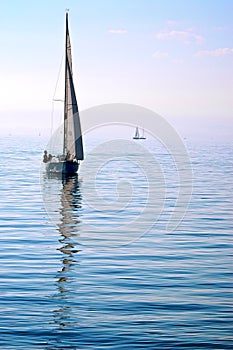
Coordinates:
x,y
73,277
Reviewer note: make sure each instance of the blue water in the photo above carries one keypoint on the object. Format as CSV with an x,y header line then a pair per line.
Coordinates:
x,y
69,281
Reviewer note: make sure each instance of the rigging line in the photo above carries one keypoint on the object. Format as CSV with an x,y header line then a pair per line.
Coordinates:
x,y
55,90
51,126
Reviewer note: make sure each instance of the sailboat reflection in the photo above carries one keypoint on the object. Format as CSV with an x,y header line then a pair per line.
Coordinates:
x,y
68,227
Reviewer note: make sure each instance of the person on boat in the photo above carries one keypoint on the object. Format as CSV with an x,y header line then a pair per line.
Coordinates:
x,y
45,157
50,157
69,156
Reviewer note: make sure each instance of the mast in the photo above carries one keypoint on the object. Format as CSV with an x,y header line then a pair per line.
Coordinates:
x,y
65,99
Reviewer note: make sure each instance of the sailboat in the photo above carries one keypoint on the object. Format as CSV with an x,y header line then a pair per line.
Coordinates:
x,y
137,135
68,162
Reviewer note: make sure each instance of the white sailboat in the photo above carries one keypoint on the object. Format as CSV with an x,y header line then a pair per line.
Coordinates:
x,y
68,162
137,135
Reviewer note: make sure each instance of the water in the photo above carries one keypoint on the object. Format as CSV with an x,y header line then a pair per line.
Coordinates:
x,y
69,281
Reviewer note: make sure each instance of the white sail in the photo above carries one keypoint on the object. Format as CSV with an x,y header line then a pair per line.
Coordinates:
x,y
72,129
136,133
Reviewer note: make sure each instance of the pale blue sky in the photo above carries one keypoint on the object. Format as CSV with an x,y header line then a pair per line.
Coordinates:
x,y
173,56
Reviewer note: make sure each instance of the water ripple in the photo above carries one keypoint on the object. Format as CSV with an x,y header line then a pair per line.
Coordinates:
x,y
163,291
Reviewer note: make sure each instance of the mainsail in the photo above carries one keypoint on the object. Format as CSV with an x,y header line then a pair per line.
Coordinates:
x,y
73,144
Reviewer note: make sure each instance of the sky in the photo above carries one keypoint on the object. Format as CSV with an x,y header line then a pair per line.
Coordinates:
x,y
172,56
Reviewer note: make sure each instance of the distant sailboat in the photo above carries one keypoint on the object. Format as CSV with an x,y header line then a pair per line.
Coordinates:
x,y
137,135
68,161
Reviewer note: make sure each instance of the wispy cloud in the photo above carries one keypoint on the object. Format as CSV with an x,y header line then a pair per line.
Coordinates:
x,y
186,36
160,54
118,31
172,23
215,53
219,28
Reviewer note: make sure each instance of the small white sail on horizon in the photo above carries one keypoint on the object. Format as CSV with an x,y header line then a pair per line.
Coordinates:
x,y
137,135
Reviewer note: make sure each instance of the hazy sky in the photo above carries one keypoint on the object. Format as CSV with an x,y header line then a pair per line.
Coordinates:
x,y
172,56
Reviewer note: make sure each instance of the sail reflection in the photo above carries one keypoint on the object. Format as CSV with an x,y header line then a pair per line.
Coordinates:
x,y
69,231
67,203
70,208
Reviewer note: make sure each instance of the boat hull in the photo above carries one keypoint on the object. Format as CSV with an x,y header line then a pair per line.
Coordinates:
x,y
62,167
